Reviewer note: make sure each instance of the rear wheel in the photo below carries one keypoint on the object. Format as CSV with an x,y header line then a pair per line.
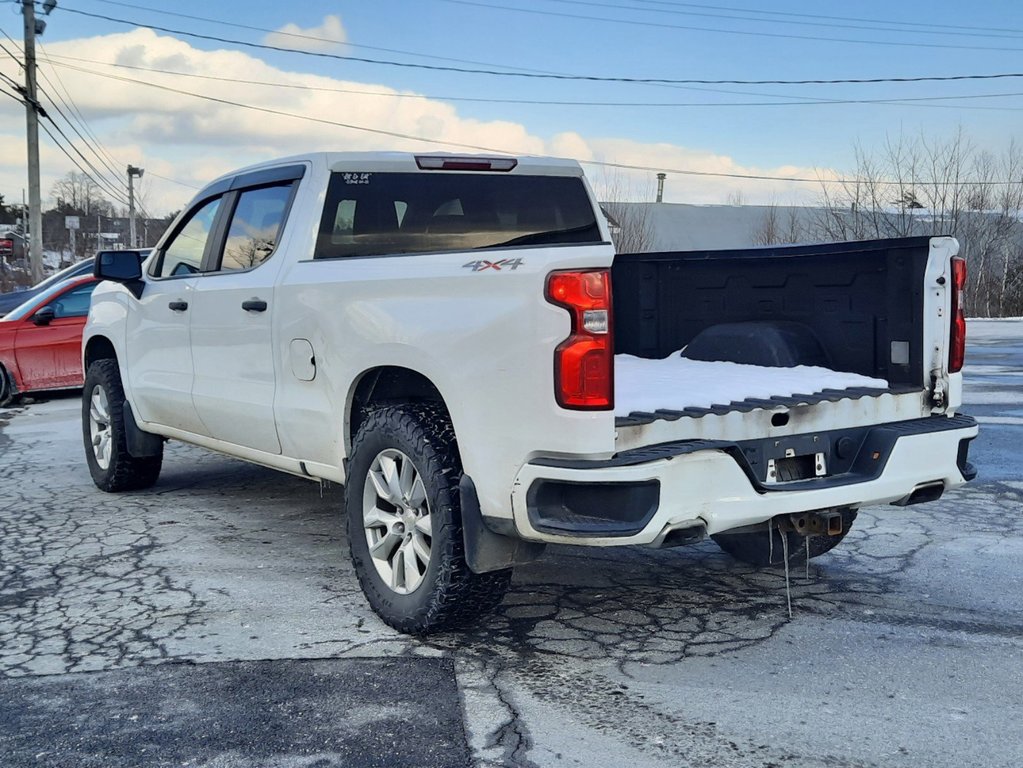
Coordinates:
x,y
762,548
6,388
106,450
405,526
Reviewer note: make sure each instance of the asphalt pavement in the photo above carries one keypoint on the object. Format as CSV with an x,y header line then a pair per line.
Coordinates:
x,y
219,610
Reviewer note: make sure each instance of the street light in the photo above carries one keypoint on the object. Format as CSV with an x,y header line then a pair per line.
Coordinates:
x,y
132,173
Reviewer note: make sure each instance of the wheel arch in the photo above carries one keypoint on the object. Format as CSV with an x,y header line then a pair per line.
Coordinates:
x,y
386,384
9,387
97,348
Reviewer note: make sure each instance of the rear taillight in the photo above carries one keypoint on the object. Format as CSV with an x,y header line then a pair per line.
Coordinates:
x,y
584,362
957,339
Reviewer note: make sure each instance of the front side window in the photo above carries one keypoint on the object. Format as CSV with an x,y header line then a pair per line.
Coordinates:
x,y
183,254
368,214
255,226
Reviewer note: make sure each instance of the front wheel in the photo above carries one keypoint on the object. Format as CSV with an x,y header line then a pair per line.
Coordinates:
x,y
112,468
765,547
404,523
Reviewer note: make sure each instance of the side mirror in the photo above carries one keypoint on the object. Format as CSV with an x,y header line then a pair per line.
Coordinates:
x,y
44,316
119,266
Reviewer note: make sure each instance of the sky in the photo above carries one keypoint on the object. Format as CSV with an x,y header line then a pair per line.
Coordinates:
x,y
134,91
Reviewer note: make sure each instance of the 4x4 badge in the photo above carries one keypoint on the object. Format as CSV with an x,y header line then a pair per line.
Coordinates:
x,y
497,266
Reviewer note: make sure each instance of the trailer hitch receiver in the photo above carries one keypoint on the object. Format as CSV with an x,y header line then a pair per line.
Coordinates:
x,y
824,522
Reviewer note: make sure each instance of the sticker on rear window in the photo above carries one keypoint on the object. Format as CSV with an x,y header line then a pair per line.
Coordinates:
x,y
356,178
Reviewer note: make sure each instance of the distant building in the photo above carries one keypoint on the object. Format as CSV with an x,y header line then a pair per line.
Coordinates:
x,y
12,245
684,227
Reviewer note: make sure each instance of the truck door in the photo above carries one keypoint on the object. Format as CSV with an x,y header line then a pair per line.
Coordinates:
x,y
231,330
159,353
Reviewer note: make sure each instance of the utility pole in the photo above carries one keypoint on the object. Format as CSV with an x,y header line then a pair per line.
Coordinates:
x,y
35,205
132,173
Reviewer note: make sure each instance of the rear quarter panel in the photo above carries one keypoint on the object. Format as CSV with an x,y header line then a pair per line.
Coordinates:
x,y
486,340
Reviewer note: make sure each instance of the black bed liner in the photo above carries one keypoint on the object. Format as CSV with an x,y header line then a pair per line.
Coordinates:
x,y
640,418
856,299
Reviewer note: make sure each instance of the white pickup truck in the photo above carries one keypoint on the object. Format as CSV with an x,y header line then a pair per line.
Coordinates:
x,y
438,334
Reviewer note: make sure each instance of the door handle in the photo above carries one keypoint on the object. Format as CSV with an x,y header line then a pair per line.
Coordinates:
x,y
178,306
254,305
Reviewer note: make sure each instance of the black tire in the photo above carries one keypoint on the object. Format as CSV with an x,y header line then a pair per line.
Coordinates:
x,y
755,548
7,393
123,472
449,593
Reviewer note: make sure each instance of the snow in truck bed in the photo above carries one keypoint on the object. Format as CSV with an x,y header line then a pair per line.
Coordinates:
x,y
676,383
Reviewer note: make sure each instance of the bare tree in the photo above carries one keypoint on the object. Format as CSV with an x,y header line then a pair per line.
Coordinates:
x,y
76,193
629,222
921,186
735,198
779,228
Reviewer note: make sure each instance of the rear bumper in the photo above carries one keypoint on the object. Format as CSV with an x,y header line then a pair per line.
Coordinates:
x,y
642,496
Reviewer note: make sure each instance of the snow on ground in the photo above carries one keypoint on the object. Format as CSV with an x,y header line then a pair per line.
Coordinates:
x,y
676,382
982,328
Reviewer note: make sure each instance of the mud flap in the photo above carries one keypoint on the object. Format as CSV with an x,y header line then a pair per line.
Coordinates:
x,y
140,444
485,550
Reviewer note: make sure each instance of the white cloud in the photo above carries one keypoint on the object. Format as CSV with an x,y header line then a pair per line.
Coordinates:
x,y
325,37
193,140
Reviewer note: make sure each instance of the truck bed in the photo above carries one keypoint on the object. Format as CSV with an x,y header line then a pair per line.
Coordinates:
x,y
863,301
858,307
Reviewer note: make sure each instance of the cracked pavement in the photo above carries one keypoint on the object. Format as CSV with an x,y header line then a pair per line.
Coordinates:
x,y
904,648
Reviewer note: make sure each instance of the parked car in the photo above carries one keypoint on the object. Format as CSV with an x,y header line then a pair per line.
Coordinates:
x,y
9,301
41,339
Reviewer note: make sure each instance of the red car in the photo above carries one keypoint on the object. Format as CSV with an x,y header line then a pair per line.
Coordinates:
x,y
41,340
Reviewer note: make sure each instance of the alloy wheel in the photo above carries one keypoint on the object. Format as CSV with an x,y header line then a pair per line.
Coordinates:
x,y
396,520
99,426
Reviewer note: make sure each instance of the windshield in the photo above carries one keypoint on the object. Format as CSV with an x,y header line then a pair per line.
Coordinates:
x,y
22,311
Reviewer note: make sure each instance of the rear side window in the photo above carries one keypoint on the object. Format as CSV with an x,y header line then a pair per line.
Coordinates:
x,y
255,226
373,214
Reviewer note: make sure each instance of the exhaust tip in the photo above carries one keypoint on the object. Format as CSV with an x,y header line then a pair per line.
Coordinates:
x,y
922,494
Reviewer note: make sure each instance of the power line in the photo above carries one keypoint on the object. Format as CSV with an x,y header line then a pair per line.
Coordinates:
x,y
18,61
69,155
921,101
74,128
95,146
107,158
869,25
791,14
110,187
718,30
304,36
465,145
16,96
175,181
13,83
554,76
103,182
316,38
786,17
84,123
